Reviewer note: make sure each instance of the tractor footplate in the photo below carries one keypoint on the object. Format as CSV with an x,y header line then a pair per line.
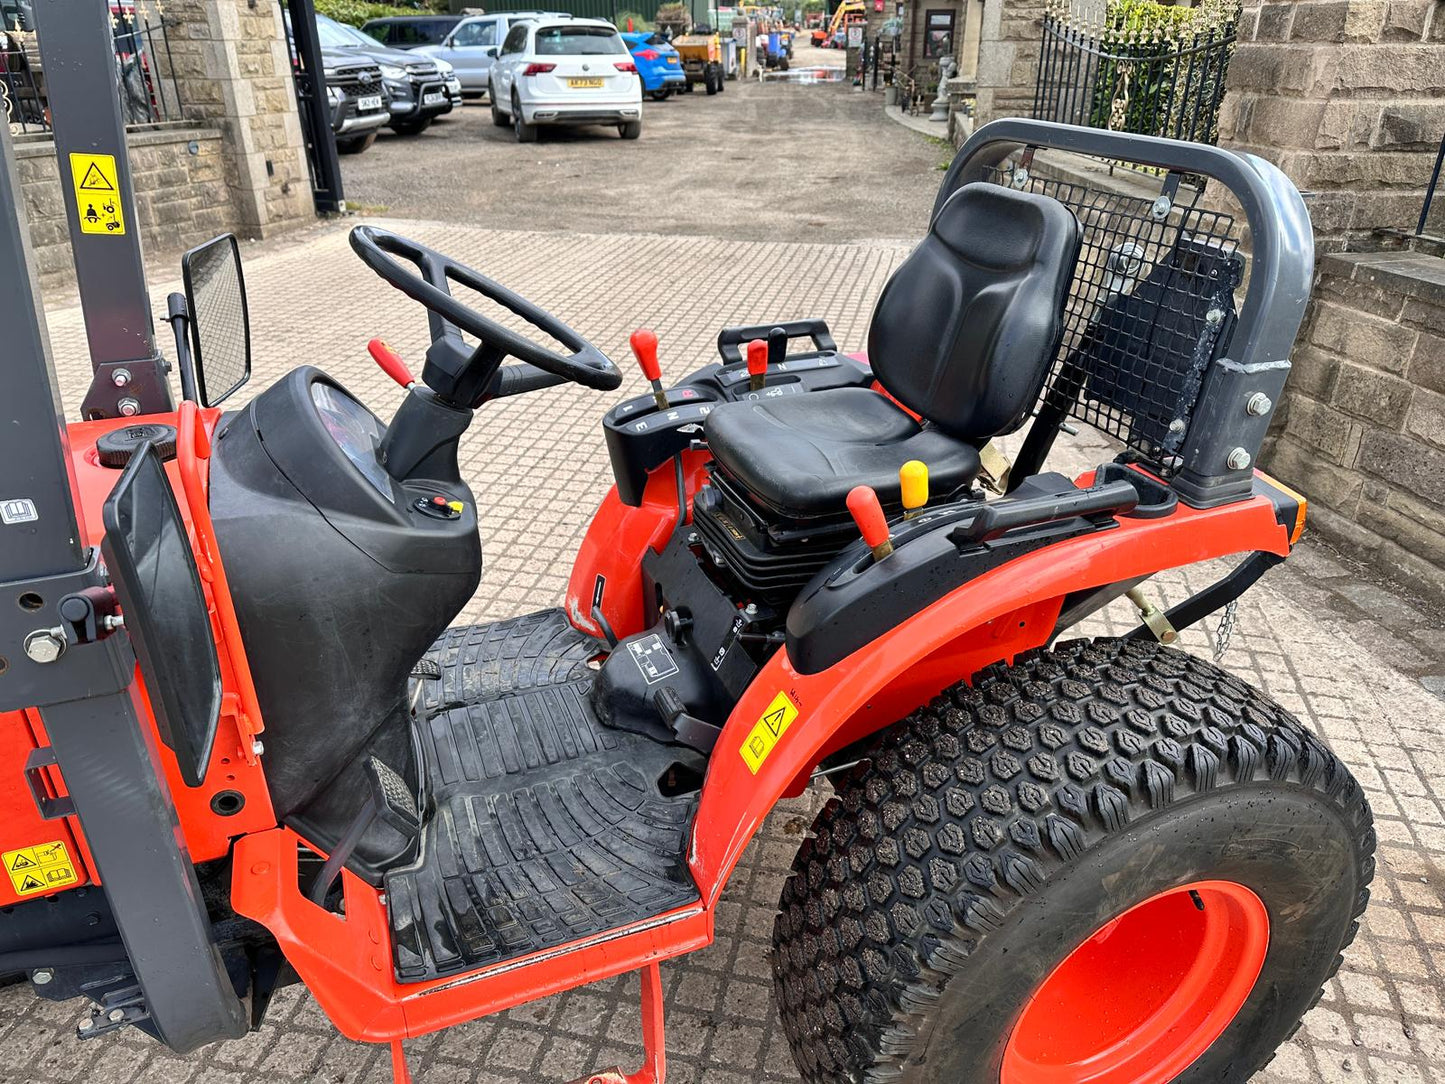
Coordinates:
x,y
548,826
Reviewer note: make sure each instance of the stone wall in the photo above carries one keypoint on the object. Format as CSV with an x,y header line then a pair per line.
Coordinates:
x,y
234,72
1362,428
1348,98
182,195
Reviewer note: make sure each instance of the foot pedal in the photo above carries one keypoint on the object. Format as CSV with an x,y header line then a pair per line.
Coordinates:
x,y
387,798
689,729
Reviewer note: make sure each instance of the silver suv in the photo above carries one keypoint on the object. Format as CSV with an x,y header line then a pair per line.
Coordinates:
x,y
473,43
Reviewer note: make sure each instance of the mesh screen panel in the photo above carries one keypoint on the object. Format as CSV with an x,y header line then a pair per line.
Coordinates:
x,y
222,334
1152,302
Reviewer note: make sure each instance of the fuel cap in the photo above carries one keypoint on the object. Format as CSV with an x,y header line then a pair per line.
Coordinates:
x,y
115,448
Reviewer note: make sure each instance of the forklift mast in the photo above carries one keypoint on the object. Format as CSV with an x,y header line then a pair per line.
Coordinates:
x,y
84,693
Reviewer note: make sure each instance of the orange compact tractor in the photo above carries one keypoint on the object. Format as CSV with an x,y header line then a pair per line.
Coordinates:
x,y
245,746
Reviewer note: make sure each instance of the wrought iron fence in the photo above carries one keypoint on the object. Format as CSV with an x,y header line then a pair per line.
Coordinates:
x,y
1432,212
1146,83
144,72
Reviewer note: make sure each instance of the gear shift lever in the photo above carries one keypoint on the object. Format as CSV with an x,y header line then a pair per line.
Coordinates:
x,y
644,349
757,364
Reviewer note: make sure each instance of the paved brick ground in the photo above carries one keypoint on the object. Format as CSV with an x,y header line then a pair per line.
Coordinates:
x,y
538,467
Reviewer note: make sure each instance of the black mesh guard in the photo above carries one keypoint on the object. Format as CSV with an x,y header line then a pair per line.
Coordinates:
x,y
1152,303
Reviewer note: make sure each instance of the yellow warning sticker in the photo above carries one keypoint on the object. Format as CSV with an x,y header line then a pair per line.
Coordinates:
x,y
41,868
764,736
97,194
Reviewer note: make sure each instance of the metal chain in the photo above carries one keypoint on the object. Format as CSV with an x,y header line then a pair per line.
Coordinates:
x,y
1225,631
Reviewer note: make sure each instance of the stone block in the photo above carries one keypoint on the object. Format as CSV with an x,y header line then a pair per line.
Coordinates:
x,y
1406,462
1412,71
1374,396
1410,125
1405,20
1302,468
1422,314
1426,417
1365,20
1273,23
1317,22
1313,374
1329,432
1427,367
1366,340
1285,122
1416,526
1272,69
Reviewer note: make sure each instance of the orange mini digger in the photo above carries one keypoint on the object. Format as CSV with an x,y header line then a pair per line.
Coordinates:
x,y
245,746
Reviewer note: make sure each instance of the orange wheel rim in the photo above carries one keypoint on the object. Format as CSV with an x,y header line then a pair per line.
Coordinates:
x,y
1146,994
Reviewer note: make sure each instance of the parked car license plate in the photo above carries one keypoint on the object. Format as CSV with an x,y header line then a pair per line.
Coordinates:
x,y
367,104
436,97
584,84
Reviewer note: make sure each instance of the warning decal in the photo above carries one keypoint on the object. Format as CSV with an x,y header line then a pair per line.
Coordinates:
x,y
764,737
40,868
97,194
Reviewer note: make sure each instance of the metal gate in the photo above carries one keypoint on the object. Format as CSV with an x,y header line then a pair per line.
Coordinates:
x,y
309,75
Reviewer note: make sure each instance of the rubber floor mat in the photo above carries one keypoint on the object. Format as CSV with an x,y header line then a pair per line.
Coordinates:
x,y
548,826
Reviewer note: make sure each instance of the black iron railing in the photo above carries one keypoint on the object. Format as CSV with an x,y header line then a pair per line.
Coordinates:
x,y
1432,211
144,76
1126,81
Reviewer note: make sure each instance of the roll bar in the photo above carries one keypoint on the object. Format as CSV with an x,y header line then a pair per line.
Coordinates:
x,y
1255,360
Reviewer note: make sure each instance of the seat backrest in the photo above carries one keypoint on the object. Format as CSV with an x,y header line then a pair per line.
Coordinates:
x,y
967,327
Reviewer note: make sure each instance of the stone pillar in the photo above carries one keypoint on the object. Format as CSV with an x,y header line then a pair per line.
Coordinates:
x,y
1346,97
234,71
1010,32
968,45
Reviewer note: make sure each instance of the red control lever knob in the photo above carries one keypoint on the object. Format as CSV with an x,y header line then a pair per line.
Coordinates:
x,y
757,364
390,362
644,348
863,506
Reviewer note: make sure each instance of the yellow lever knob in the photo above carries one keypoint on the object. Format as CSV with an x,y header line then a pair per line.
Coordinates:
x,y
913,480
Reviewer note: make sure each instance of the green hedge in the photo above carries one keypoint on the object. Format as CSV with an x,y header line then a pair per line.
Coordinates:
x,y
356,12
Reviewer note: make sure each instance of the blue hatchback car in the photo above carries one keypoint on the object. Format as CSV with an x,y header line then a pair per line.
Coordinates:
x,y
658,65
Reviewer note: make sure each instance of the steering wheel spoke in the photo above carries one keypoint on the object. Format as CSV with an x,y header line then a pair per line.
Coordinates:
x,y
455,371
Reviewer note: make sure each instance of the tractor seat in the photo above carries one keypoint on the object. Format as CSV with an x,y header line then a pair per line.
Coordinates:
x,y
801,454
963,336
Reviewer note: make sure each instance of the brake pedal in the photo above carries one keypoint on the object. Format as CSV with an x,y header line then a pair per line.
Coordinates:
x,y
388,799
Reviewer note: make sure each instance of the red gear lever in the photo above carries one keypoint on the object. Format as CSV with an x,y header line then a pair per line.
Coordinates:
x,y
872,524
644,348
390,362
757,364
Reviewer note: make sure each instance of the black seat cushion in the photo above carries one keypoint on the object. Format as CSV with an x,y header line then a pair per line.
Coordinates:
x,y
801,454
967,327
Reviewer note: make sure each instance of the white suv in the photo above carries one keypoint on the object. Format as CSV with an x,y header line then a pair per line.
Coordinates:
x,y
573,71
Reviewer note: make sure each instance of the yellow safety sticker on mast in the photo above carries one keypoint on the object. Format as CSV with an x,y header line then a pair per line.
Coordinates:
x,y
769,729
41,868
97,194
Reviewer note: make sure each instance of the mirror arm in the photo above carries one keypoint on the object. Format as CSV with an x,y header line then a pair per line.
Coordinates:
x,y
178,315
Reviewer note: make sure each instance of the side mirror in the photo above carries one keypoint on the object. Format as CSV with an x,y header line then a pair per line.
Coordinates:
x,y
493,51
220,320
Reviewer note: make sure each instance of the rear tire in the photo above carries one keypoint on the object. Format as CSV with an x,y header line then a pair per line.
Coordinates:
x,y
630,129
710,79
526,133
660,95
1009,822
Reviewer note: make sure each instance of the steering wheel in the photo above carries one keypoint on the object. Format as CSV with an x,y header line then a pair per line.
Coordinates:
x,y
456,371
